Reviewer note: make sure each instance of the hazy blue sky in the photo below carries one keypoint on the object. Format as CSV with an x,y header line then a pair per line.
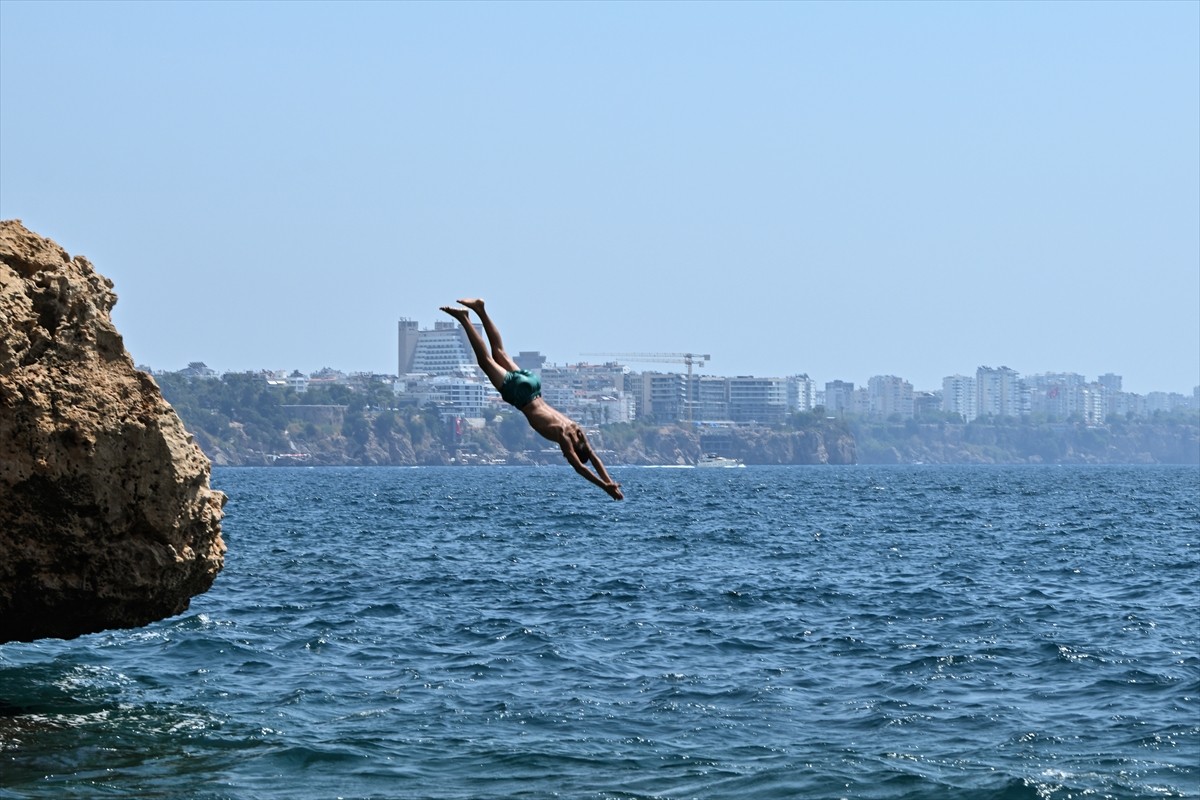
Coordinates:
x,y
845,190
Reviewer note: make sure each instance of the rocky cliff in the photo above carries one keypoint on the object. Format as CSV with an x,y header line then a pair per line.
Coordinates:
x,y
106,515
1172,440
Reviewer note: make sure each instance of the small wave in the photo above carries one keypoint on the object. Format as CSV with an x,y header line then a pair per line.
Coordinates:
x,y
790,633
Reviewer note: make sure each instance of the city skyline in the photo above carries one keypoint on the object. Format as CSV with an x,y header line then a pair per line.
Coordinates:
x,y
850,189
442,372
650,368
464,357
409,332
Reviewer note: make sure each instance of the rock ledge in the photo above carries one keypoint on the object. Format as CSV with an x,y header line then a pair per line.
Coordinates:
x,y
106,515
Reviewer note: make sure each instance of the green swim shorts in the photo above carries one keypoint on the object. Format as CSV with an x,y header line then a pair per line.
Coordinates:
x,y
520,387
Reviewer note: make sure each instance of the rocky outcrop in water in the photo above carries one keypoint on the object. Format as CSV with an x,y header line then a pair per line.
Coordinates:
x,y
106,515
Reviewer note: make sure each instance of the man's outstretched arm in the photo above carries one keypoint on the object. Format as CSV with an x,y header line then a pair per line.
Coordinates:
x,y
611,487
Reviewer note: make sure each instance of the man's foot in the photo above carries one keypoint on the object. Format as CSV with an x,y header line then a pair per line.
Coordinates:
x,y
473,303
460,314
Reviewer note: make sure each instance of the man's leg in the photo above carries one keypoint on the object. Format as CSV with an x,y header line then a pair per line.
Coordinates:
x,y
495,372
499,354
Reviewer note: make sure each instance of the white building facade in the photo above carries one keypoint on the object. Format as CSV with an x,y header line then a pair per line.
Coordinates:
x,y
958,396
888,395
998,392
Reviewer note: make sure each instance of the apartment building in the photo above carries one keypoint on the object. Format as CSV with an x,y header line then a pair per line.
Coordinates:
x,y
1063,394
711,401
926,404
760,400
999,392
658,396
958,396
888,395
839,398
802,393
463,396
588,393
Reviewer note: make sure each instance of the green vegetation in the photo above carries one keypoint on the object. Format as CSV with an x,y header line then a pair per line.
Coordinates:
x,y
240,419
1163,439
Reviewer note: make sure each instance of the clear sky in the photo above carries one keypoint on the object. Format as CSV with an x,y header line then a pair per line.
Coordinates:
x,y
843,190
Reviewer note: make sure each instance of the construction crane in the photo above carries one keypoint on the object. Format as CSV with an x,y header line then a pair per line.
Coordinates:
x,y
690,359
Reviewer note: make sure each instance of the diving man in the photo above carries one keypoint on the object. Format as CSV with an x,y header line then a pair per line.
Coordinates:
x,y
523,390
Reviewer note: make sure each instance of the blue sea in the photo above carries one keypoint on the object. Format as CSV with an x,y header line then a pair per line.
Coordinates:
x,y
766,632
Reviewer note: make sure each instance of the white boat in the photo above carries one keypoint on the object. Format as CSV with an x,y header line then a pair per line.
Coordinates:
x,y
714,460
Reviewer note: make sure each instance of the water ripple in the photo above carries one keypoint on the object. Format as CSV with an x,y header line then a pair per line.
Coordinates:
x,y
891,633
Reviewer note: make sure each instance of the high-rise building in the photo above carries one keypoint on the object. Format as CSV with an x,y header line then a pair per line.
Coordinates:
x,y
802,393
888,395
998,392
1058,395
1166,402
659,396
958,396
445,350
1094,403
860,402
406,344
531,360
839,397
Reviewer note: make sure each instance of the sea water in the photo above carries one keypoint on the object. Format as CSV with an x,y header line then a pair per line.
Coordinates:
x,y
767,632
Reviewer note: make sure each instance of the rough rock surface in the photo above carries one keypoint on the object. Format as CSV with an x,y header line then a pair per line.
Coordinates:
x,y
106,515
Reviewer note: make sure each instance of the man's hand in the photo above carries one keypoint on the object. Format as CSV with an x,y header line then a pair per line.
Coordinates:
x,y
614,491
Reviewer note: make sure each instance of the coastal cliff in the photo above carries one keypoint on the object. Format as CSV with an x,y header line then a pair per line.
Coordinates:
x,y
107,519
240,420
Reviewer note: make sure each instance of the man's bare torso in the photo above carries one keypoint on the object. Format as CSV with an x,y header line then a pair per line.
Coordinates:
x,y
552,424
